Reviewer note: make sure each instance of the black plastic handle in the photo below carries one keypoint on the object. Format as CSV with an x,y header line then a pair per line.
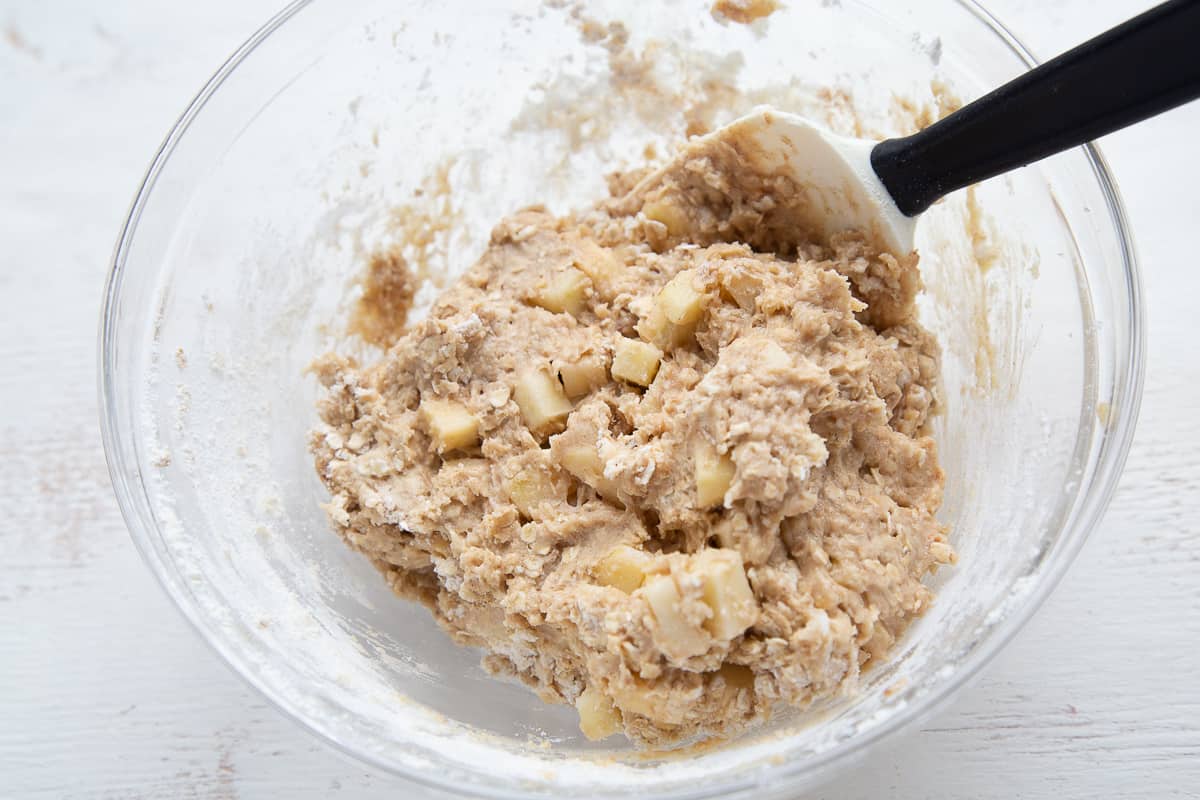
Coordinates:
x,y
1146,66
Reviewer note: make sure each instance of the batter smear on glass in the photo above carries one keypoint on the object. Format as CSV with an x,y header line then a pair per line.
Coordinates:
x,y
666,460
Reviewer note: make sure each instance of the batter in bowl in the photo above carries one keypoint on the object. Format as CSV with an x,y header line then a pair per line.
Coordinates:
x,y
666,460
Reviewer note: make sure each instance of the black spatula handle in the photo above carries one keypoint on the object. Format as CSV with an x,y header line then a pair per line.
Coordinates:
x,y
1141,68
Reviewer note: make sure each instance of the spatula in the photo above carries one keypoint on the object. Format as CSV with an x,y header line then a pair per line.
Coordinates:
x,y
1141,68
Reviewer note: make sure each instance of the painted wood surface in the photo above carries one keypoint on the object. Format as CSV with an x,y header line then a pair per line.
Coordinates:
x,y
106,693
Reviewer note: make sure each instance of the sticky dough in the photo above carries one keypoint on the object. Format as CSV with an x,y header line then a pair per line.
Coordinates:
x,y
666,459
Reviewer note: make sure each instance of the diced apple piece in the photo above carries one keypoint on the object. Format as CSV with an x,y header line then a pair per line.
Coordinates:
x,y
727,593
635,361
669,214
541,400
598,718
564,292
672,320
450,424
680,302
582,376
623,568
600,264
583,462
714,474
656,328
742,288
676,637
635,700
530,489
661,332
737,676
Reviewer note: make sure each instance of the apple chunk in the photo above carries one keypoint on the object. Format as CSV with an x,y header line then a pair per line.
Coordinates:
x,y
583,376
541,400
530,489
669,214
714,474
564,292
624,568
635,362
680,302
676,635
598,718
727,593
451,424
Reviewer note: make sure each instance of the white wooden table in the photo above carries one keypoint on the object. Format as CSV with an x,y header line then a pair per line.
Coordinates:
x,y
106,693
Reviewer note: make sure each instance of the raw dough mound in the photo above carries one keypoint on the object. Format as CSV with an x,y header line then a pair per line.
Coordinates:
x,y
669,477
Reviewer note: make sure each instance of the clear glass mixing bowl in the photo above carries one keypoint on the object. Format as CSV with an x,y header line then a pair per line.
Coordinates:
x,y
343,126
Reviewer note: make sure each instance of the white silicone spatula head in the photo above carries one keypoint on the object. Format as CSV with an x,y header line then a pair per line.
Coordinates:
x,y
833,172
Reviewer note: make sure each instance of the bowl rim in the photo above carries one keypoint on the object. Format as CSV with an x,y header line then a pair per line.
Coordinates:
x,y
135,504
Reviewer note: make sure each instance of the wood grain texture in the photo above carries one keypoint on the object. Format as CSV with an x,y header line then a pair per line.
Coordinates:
x,y
106,693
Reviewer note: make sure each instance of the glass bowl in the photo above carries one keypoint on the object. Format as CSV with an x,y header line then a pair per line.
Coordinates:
x,y
343,127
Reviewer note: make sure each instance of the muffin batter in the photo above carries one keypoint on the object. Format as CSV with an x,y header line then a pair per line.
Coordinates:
x,y
666,459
